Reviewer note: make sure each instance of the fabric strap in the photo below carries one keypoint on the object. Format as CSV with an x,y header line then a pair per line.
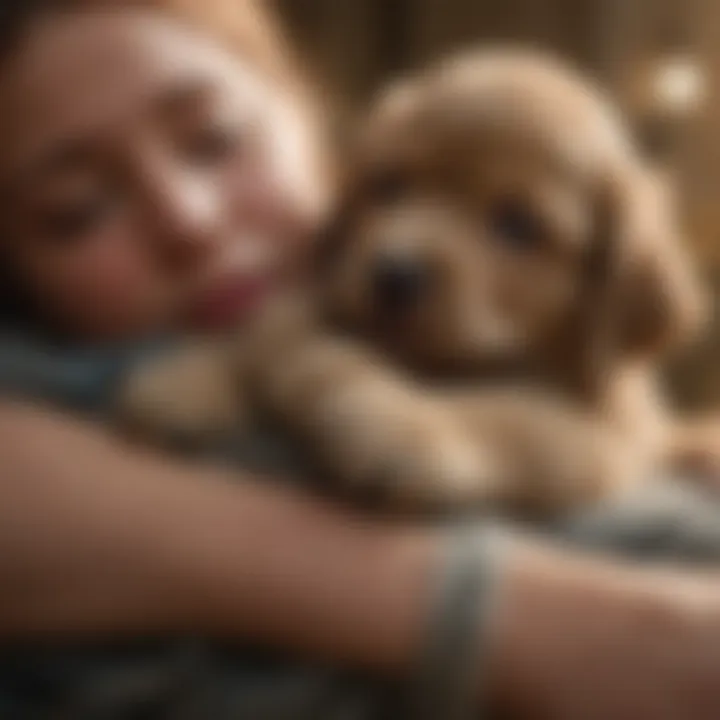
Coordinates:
x,y
446,686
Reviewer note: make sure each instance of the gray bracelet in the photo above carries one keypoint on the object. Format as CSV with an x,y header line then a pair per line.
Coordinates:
x,y
446,686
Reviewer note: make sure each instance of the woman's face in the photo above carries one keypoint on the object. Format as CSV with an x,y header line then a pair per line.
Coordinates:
x,y
149,179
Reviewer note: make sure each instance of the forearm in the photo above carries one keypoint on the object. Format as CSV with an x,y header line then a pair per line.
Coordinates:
x,y
98,538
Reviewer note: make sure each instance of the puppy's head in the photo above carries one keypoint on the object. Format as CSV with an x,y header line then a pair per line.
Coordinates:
x,y
499,215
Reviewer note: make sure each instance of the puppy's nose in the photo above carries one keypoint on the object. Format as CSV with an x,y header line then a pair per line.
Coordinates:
x,y
399,283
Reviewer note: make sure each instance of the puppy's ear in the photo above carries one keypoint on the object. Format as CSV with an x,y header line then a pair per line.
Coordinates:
x,y
647,295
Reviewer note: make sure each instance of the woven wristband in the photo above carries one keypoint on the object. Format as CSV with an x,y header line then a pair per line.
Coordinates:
x,y
446,684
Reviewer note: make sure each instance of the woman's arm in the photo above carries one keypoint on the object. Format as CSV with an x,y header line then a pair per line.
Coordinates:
x,y
599,639
98,538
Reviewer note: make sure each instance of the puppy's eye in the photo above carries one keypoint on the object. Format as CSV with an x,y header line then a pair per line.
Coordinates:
x,y
386,187
514,224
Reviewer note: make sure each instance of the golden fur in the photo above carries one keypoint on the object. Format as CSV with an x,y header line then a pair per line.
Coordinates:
x,y
489,305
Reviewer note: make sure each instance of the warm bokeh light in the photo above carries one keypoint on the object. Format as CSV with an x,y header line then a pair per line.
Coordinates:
x,y
679,85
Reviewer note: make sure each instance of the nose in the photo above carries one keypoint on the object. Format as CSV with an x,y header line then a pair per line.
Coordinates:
x,y
184,210
398,284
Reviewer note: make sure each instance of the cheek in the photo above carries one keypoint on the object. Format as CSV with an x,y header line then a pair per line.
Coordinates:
x,y
108,287
261,211
296,167
278,190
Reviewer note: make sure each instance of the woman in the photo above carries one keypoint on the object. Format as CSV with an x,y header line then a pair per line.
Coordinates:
x,y
159,172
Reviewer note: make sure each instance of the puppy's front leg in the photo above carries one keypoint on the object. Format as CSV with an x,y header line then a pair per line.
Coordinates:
x,y
188,395
197,392
370,429
550,456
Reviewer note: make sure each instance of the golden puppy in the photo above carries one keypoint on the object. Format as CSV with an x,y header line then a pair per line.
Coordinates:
x,y
489,304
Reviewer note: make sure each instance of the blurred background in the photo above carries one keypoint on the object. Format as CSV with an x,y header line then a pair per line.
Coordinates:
x,y
660,59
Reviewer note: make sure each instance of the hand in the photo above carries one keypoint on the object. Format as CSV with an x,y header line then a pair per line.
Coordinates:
x,y
580,639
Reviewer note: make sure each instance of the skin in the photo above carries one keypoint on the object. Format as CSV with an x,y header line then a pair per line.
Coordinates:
x,y
169,196
242,559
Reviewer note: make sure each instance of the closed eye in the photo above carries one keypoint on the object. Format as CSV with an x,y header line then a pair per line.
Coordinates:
x,y
212,144
75,221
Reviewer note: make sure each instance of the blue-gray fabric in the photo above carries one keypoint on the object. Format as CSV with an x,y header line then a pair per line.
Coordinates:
x,y
76,378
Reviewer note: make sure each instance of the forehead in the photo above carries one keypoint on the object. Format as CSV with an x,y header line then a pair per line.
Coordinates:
x,y
79,72
487,115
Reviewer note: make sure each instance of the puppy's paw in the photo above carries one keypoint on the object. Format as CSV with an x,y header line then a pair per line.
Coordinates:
x,y
550,458
591,467
402,450
693,451
605,472
187,397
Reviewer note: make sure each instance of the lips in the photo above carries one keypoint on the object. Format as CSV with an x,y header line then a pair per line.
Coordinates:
x,y
229,302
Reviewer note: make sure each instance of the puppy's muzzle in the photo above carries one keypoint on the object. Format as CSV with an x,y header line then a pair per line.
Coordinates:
x,y
399,284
